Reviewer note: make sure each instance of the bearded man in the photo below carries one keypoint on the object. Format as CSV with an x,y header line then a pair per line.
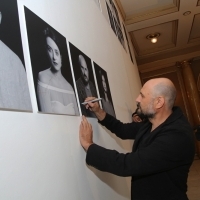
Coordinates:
x,y
163,150
85,87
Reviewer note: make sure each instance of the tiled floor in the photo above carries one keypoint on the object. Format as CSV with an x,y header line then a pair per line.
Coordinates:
x,y
194,180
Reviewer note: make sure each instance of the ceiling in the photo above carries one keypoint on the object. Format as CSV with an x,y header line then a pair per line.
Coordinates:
x,y
177,21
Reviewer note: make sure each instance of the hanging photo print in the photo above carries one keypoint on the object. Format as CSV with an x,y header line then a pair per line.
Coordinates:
x,y
51,68
14,91
104,90
84,77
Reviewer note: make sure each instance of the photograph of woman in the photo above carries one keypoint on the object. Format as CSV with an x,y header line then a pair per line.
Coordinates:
x,y
104,90
54,92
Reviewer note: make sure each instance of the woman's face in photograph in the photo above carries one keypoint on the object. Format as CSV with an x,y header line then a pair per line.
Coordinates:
x,y
53,53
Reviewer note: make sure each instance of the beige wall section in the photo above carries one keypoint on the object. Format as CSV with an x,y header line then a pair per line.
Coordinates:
x,y
40,154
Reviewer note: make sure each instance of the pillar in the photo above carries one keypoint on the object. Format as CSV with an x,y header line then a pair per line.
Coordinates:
x,y
193,95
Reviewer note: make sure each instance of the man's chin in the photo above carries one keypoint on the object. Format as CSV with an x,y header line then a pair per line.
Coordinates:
x,y
85,81
139,112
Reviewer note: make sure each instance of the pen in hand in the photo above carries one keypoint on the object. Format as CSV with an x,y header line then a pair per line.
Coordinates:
x,y
94,100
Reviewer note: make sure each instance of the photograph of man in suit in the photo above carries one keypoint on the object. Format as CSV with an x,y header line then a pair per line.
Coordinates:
x,y
85,87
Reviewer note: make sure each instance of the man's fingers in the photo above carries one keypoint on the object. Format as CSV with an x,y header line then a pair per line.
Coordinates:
x,y
83,118
90,104
81,125
85,122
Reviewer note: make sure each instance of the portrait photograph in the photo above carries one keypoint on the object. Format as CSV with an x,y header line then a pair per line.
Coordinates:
x,y
51,67
111,19
120,35
104,90
115,22
129,50
14,90
84,78
114,11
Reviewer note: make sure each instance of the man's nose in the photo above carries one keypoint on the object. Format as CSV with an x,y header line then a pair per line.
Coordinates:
x,y
85,72
138,99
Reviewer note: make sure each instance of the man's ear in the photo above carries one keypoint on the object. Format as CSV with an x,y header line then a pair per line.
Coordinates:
x,y
160,101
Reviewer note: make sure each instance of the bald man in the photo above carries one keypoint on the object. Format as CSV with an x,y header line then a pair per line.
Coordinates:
x,y
85,87
163,150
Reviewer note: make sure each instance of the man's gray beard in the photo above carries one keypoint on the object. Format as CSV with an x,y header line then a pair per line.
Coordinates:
x,y
142,115
85,82
150,115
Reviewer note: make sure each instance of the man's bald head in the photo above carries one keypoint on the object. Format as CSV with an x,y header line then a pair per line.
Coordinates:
x,y
162,87
81,59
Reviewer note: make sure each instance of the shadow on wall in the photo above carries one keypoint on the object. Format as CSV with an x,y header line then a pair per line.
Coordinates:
x,y
126,145
113,182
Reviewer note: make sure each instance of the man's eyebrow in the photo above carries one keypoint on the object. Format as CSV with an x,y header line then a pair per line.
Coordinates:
x,y
142,94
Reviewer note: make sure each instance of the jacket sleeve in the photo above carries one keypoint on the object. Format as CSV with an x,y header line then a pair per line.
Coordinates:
x,y
166,152
121,130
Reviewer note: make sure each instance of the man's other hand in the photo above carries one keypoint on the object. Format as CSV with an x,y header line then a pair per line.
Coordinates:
x,y
85,133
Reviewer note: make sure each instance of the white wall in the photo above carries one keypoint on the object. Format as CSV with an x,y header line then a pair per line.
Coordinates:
x,y
40,154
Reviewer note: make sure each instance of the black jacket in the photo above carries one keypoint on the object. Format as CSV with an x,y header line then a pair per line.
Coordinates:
x,y
159,162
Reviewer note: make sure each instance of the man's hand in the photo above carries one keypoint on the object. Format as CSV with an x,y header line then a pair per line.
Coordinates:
x,y
85,133
94,106
136,118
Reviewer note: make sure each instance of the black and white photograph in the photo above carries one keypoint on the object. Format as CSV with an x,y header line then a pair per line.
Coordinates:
x,y
114,11
84,77
51,67
111,19
14,90
115,22
120,34
129,50
104,89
